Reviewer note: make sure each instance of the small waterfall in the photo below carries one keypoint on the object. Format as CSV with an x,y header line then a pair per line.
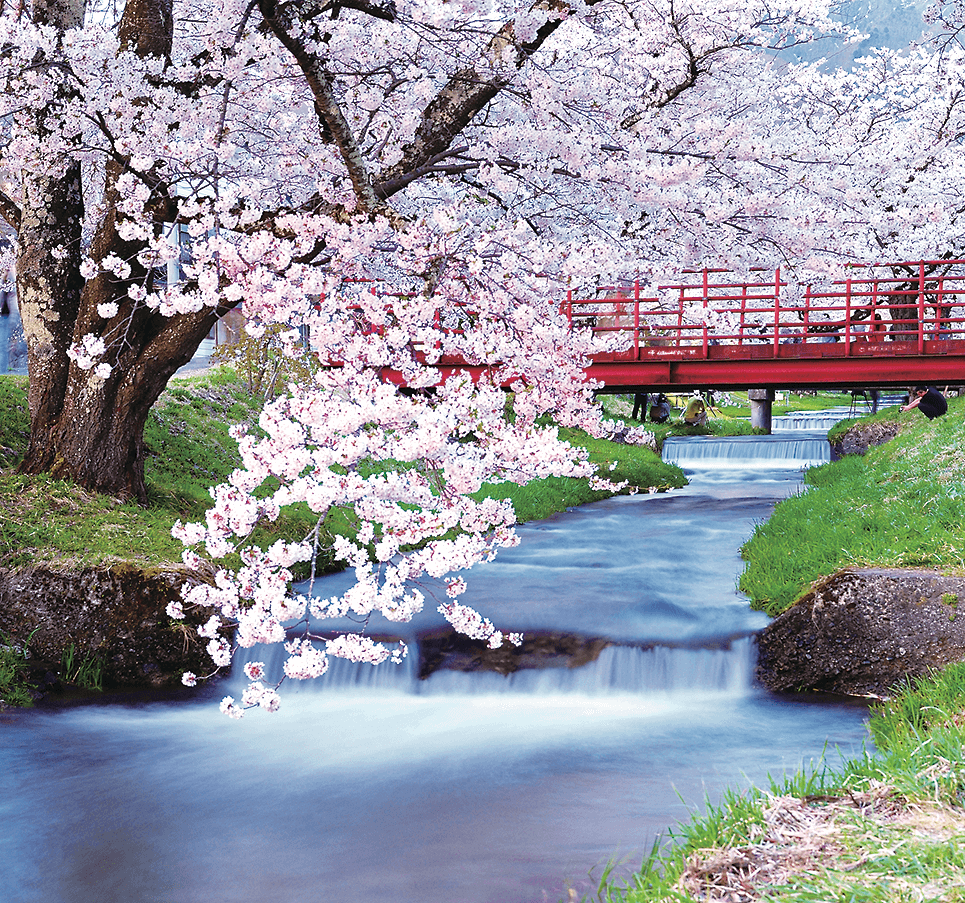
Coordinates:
x,y
723,667
781,451
825,420
808,420
620,669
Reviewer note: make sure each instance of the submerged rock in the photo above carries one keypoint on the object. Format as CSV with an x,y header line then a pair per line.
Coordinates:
x,y
114,614
865,631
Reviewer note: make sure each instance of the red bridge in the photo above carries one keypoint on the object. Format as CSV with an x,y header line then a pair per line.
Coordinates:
x,y
885,325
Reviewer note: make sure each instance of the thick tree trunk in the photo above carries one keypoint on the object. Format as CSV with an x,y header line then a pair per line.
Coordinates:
x,y
85,427
48,286
94,435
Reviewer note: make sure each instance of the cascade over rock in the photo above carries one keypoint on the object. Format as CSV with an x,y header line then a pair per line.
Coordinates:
x,y
865,631
113,612
446,649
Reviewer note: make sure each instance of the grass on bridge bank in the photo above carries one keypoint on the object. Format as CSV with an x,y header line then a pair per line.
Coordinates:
x,y
901,505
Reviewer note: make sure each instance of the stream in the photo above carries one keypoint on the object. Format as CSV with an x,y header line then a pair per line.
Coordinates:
x,y
372,784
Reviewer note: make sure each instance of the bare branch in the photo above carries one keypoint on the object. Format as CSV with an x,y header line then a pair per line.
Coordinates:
x,y
287,28
464,96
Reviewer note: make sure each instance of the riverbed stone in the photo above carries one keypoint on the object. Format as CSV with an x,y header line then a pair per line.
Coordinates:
x,y
447,650
865,632
113,612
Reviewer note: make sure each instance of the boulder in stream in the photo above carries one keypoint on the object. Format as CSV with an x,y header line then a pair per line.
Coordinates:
x,y
448,650
864,632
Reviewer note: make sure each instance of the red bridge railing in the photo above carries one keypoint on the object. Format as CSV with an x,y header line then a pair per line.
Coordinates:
x,y
882,309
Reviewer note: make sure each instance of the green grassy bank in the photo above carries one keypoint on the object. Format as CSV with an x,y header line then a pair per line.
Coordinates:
x,y
189,450
900,505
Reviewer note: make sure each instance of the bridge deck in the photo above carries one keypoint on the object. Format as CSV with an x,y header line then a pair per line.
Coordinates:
x,y
881,365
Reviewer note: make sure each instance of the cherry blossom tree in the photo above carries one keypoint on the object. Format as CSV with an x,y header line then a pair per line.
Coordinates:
x,y
415,183
292,139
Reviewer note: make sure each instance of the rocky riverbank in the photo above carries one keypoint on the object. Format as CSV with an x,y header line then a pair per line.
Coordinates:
x,y
865,632
110,616
868,630
864,435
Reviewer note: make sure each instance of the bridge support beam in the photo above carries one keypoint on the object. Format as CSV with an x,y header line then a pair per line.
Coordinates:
x,y
761,401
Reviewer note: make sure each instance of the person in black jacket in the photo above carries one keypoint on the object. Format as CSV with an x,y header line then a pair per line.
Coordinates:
x,y
928,400
660,409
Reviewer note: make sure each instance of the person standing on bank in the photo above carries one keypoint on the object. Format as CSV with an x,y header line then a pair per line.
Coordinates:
x,y
639,405
928,400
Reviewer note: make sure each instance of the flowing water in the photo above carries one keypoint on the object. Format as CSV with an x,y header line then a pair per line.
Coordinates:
x,y
462,787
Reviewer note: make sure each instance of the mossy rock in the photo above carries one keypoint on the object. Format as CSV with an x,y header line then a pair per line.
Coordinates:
x,y
865,632
113,612
863,435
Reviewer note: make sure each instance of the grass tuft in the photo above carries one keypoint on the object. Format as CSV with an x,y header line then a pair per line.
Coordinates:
x,y
85,671
14,666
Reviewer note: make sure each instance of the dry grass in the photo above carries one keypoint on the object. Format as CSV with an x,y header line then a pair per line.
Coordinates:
x,y
799,838
824,838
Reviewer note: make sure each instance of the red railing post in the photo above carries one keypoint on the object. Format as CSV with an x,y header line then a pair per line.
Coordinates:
x,y
740,332
777,311
569,307
939,290
636,319
680,317
921,307
847,318
704,343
